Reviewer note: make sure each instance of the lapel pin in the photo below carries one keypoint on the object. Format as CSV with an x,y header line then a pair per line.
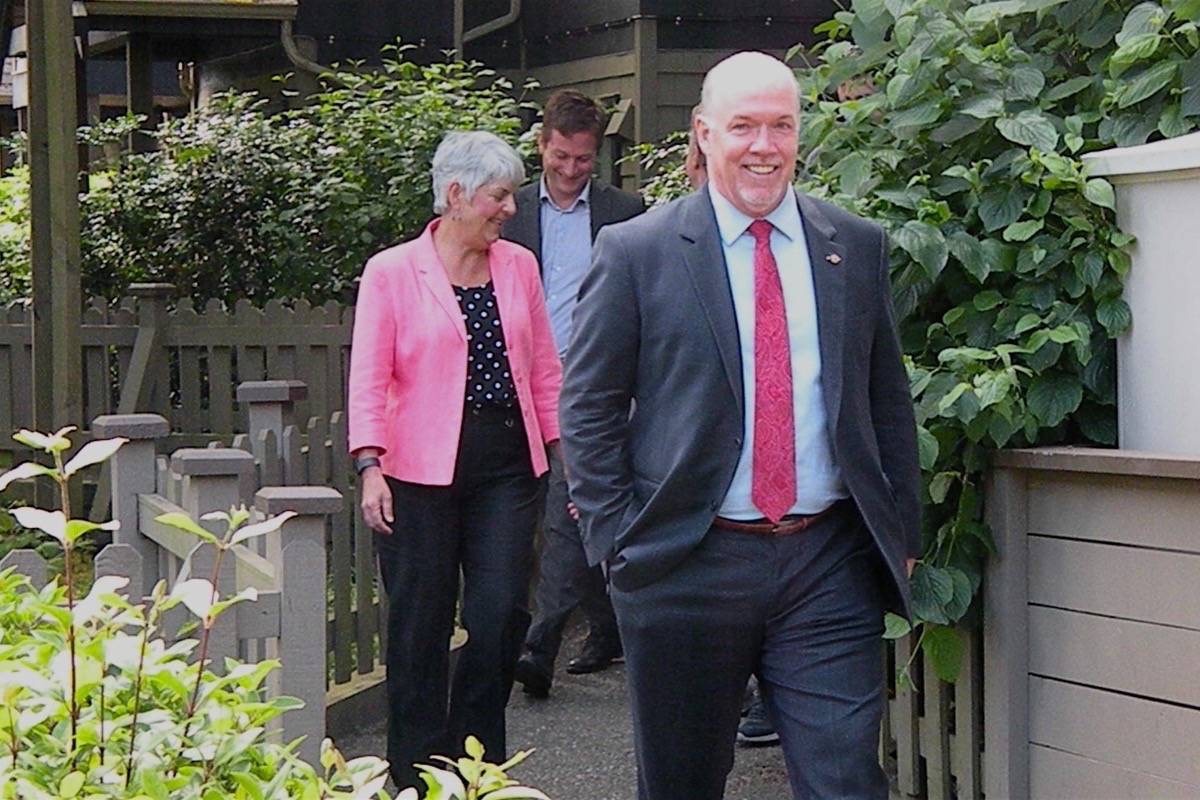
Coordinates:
x,y
833,258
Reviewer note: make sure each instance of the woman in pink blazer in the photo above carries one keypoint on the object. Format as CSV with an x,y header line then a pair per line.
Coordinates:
x,y
454,380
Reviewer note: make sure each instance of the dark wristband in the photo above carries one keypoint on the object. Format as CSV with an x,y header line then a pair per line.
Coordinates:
x,y
364,463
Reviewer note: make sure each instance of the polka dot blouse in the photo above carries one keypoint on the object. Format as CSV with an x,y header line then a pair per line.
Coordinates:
x,y
489,379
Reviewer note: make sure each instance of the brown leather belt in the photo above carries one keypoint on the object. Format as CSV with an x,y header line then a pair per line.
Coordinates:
x,y
794,523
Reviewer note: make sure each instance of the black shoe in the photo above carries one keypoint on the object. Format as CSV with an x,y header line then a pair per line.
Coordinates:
x,y
756,729
533,677
596,656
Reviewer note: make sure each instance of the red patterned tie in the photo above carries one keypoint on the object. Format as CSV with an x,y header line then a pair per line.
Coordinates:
x,y
773,487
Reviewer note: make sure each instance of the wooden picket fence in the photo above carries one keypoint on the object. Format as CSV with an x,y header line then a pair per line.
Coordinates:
x,y
931,740
152,354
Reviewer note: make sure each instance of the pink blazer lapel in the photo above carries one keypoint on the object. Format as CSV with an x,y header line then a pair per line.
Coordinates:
x,y
504,279
433,274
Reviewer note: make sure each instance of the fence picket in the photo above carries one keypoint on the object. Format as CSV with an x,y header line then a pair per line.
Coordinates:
x,y
935,734
906,718
295,471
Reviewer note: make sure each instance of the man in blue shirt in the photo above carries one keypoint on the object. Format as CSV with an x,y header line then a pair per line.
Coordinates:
x,y
557,218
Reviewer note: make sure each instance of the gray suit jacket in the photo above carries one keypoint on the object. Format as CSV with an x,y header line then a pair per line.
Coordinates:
x,y
656,325
608,205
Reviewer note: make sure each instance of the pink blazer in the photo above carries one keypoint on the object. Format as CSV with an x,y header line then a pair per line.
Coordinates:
x,y
408,363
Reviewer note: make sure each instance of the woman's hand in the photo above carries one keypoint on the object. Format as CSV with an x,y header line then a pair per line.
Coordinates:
x,y
376,501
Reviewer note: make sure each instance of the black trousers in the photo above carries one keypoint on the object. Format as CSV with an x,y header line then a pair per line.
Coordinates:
x,y
482,526
565,581
805,614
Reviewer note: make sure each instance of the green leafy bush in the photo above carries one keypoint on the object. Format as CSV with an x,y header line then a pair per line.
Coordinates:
x,y
238,203
14,235
1007,262
94,704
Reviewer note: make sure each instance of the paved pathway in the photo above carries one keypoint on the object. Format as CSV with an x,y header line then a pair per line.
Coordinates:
x,y
583,741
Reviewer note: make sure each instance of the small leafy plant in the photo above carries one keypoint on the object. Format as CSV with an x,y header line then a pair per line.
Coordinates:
x,y
472,778
95,704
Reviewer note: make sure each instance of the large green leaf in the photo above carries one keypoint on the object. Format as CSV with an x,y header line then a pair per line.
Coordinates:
x,y
1136,48
1025,83
1190,79
932,589
1100,192
1000,207
967,249
1031,128
1068,88
925,244
1114,314
1146,83
1143,18
1054,395
1022,231
946,648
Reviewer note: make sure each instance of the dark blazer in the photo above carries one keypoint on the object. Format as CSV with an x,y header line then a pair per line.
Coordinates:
x,y
656,325
607,205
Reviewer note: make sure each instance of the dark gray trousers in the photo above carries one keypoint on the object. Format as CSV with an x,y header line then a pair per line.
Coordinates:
x,y
802,612
565,581
482,526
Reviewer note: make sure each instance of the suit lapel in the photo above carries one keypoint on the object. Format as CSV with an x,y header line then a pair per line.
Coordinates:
x,y
529,220
433,275
705,260
827,257
598,207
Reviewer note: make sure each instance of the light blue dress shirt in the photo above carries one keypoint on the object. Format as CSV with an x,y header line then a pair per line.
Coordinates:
x,y
566,257
818,480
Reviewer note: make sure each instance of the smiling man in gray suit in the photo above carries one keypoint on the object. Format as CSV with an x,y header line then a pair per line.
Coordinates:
x,y
759,510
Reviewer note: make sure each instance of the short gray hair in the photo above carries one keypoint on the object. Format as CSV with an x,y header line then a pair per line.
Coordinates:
x,y
473,159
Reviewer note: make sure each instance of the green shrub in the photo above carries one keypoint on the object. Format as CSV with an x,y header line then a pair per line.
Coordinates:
x,y
238,203
14,235
94,704
1007,262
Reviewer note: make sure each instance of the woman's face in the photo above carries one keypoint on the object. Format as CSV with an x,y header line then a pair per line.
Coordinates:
x,y
483,214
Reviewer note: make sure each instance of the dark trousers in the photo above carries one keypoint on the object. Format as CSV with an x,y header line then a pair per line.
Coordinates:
x,y
482,524
804,613
565,581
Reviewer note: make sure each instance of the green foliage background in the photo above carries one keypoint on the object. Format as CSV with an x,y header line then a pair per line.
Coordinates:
x,y
1007,262
238,203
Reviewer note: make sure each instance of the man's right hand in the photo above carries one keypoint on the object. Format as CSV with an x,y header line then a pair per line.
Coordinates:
x,y
376,501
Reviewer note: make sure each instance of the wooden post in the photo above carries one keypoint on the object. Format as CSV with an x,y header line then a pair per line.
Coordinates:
x,y
301,573
28,563
147,366
54,208
645,101
271,404
1006,640
133,473
139,88
212,481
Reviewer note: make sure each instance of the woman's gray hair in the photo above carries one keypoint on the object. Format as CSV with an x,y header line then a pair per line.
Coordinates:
x,y
473,159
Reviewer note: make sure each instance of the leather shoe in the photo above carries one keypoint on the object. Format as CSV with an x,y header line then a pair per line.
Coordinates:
x,y
596,657
533,677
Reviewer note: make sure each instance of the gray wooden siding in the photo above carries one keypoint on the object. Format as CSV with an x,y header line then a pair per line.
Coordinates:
x,y
1103,550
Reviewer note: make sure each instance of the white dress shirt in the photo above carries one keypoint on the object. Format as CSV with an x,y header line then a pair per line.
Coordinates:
x,y
818,480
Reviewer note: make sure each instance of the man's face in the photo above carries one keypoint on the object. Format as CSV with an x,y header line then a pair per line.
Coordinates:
x,y
567,162
750,140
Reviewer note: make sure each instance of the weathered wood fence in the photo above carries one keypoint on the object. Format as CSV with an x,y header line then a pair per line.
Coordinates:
x,y
150,353
288,621
1092,625
931,742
